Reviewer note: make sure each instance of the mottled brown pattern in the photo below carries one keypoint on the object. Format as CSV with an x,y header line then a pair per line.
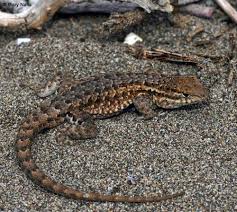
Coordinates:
x,y
98,97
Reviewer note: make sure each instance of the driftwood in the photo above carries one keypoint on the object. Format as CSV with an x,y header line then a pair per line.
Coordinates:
x,y
35,15
31,17
197,10
107,6
147,5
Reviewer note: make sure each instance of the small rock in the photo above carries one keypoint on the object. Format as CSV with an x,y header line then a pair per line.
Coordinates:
x,y
19,41
132,38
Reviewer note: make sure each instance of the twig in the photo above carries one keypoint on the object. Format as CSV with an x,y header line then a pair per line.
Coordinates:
x,y
212,57
140,52
198,10
228,9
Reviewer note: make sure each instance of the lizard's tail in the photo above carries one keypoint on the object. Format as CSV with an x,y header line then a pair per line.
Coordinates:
x,y
36,123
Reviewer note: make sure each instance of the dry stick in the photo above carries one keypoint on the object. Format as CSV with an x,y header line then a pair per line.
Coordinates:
x,y
228,9
33,17
160,54
198,10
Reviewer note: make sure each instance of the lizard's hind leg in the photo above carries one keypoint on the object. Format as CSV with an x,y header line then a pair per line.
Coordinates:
x,y
82,127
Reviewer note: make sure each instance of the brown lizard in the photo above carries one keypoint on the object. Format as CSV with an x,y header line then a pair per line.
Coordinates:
x,y
80,102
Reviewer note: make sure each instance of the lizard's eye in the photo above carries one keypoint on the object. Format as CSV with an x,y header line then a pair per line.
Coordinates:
x,y
186,95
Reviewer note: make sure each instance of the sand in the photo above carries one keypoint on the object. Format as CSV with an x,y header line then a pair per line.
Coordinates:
x,y
191,149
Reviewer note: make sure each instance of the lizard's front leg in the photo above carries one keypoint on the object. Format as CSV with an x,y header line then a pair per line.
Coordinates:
x,y
145,105
82,127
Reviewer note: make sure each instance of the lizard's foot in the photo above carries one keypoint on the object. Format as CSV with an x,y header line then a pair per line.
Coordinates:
x,y
144,105
85,130
83,127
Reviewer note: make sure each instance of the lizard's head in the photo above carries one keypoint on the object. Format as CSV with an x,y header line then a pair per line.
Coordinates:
x,y
180,91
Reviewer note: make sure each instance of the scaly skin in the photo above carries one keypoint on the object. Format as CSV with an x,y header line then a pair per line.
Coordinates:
x,y
100,97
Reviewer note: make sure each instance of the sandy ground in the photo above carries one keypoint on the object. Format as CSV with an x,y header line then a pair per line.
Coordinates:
x,y
191,149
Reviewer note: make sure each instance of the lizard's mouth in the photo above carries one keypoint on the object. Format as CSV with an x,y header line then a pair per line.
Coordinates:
x,y
196,98
191,99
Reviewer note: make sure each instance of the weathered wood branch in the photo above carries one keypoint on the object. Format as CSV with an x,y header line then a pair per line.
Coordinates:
x,y
32,17
35,15
147,5
74,6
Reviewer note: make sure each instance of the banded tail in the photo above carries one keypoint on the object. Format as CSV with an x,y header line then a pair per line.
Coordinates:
x,y
33,125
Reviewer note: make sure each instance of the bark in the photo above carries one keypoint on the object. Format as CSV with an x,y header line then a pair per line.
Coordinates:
x,y
35,15
198,10
147,5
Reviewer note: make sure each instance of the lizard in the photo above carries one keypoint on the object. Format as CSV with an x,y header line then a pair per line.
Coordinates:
x,y
102,96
